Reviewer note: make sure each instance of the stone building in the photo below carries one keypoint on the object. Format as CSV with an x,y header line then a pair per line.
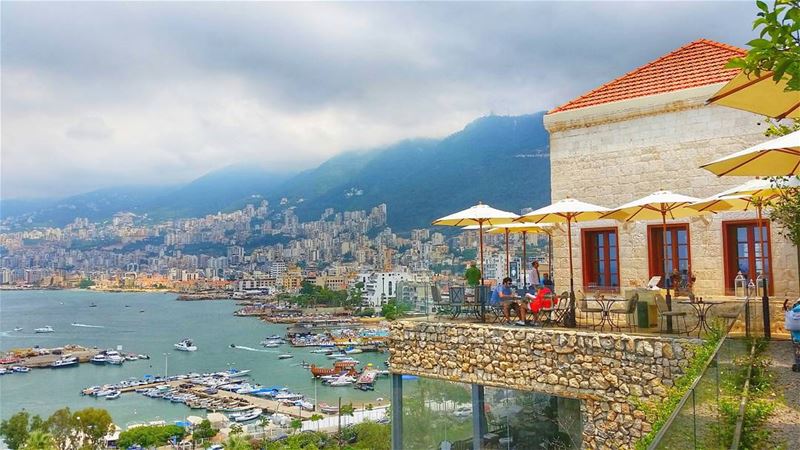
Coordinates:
x,y
650,130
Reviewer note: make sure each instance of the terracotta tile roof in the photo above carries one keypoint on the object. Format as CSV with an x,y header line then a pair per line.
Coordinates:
x,y
695,64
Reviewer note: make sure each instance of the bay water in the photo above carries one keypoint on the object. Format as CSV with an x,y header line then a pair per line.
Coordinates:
x,y
150,323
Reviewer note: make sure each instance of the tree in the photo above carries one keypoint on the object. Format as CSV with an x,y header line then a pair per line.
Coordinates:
x,y
86,283
237,429
295,425
150,436
92,424
203,431
374,436
61,426
15,430
39,440
237,442
777,48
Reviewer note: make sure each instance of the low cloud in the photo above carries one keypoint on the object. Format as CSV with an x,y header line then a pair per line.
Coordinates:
x,y
98,94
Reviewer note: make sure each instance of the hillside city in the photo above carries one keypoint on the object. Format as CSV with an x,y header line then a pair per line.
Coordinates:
x,y
254,250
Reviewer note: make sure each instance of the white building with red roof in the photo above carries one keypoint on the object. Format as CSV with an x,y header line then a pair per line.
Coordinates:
x,y
650,130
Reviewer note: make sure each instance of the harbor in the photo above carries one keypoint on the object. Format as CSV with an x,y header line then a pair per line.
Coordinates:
x,y
163,322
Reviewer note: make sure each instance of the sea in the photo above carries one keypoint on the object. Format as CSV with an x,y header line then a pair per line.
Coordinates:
x,y
150,323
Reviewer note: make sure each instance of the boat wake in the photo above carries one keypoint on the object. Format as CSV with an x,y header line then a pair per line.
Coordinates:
x,y
251,349
83,325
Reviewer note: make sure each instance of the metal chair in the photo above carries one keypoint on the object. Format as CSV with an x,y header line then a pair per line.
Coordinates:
x,y
442,308
664,313
586,310
628,311
457,297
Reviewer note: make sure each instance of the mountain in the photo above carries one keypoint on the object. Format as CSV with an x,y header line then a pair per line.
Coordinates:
x,y
500,160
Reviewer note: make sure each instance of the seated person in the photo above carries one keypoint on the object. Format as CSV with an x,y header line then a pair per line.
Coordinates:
x,y
540,300
504,296
548,282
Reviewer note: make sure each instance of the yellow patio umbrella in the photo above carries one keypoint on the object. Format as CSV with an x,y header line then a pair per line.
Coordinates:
x,y
657,205
753,194
778,157
567,211
759,94
480,215
523,228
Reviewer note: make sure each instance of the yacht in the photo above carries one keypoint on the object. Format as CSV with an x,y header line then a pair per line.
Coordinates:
x,y
45,329
65,361
113,357
285,356
99,358
186,345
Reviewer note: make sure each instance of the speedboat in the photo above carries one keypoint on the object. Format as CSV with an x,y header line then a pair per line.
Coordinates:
x,y
270,344
351,351
288,396
113,395
18,328
337,355
4,371
143,356
328,409
321,350
45,329
285,356
20,369
65,361
99,358
308,406
186,345
131,357
236,373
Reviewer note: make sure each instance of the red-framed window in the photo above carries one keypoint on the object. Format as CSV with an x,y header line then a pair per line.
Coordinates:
x,y
600,252
741,251
678,252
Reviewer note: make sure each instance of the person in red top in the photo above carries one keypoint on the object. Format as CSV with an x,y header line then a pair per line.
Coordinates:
x,y
540,300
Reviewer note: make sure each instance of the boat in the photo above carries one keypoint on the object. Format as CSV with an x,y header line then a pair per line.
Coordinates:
x,y
131,357
113,395
248,415
288,396
99,358
285,356
338,367
343,380
270,344
274,337
93,305
321,350
20,369
328,409
143,356
18,328
113,357
44,329
236,373
337,355
65,361
4,371
308,406
186,345
351,351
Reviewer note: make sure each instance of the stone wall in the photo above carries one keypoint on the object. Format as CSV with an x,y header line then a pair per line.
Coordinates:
x,y
606,371
615,153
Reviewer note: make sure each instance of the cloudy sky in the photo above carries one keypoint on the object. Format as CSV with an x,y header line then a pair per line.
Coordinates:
x,y
103,94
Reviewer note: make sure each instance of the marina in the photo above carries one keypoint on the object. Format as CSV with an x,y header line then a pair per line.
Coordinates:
x,y
153,332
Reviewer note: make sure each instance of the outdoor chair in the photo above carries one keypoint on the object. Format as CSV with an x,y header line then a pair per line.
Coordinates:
x,y
555,314
664,313
457,297
586,310
629,311
538,317
442,308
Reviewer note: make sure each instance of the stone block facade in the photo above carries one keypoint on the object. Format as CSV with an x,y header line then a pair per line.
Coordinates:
x,y
609,373
614,153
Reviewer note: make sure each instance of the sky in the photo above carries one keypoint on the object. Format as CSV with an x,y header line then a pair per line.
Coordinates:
x,y
95,95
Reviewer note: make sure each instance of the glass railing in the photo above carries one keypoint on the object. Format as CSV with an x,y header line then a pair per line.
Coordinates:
x,y
436,414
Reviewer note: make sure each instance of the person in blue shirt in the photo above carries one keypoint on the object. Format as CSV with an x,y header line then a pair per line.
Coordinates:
x,y
504,296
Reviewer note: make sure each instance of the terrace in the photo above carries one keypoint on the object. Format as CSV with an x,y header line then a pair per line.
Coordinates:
x,y
461,383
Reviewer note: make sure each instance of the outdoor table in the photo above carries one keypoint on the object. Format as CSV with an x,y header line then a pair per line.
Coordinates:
x,y
701,310
605,314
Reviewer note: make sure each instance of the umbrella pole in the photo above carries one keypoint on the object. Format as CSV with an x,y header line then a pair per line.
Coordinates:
x,y
569,321
508,261
524,262
550,255
482,299
666,281
765,296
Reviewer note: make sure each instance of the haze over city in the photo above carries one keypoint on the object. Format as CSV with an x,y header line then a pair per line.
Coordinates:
x,y
97,95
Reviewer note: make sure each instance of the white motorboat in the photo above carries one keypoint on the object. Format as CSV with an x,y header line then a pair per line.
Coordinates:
x,y
270,344
113,395
308,406
186,345
328,409
44,329
248,415
288,396
18,328
337,355
343,380
236,373
113,357
321,350
285,356
99,358
351,351
131,357
65,361
4,371
20,369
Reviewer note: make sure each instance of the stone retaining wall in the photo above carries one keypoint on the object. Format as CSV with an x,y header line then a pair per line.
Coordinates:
x,y
606,371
